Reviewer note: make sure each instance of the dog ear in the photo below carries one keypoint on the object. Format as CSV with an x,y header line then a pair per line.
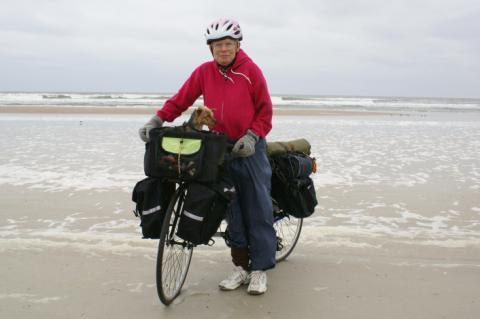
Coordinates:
x,y
198,111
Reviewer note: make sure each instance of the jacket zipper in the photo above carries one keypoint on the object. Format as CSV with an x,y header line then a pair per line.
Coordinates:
x,y
222,111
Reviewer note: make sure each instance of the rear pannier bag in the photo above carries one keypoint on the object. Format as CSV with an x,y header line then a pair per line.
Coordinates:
x,y
204,209
295,166
291,187
177,153
152,196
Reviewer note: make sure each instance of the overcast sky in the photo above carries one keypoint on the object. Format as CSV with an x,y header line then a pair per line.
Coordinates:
x,y
334,47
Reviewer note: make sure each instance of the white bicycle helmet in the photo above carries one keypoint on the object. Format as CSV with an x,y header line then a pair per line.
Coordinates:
x,y
223,28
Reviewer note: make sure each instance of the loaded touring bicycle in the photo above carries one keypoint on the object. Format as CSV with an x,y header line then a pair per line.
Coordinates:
x,y
186,196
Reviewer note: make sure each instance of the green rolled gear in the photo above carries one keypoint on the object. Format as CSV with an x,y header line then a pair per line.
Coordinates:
x,y
183,146
299,145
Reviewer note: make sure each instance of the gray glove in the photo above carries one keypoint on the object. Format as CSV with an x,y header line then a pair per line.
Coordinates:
x,y
144,131
245,146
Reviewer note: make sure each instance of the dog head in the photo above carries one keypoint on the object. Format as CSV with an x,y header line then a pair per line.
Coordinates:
x,y
204,116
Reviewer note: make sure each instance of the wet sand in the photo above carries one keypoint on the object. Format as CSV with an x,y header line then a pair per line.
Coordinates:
x,y
70,275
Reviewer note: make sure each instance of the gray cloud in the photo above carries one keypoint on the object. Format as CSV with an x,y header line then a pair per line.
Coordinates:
x,y
362,47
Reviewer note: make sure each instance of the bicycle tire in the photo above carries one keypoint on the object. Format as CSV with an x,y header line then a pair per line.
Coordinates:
x,y
287,229
174,254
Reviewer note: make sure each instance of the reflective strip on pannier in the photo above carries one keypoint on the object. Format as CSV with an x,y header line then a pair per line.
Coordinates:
x,y
193,216
151,210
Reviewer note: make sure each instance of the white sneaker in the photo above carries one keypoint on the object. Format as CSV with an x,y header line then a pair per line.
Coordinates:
x,y
236,279
258,282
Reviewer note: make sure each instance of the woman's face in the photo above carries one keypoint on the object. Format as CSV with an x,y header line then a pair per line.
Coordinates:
x,y
224,51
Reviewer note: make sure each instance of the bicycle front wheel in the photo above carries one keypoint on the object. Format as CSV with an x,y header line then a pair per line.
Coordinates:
x,y
288,230
174,254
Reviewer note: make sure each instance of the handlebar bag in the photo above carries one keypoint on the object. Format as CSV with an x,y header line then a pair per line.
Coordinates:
x,y
180,154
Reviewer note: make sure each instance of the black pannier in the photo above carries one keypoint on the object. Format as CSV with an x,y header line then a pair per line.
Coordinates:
x,y
292,188
152,196
295,165
182,154
204,209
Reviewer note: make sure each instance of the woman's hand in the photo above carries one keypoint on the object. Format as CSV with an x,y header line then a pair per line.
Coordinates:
x,y
144,131
245,146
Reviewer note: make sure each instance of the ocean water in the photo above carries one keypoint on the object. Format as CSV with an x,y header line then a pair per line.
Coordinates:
x,y
155,100
409,179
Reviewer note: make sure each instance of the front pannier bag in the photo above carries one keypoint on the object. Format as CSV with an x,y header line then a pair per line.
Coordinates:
x,y
177,153
204,208
152,196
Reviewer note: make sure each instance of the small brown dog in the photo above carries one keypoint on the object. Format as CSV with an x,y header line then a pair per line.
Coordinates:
x,y
201,116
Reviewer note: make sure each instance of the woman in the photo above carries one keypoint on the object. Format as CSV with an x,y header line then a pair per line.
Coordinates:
x,y
234,87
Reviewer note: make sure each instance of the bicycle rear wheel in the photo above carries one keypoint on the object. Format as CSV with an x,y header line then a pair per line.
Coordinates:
x,y
174,254
288,230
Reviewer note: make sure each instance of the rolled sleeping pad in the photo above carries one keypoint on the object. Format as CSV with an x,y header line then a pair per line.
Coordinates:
x,y
299,145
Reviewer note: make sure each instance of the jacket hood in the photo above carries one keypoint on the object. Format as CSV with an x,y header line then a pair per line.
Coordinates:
x,y
240,59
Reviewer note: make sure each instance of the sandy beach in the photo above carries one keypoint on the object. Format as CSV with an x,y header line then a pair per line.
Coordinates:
x,y
396,233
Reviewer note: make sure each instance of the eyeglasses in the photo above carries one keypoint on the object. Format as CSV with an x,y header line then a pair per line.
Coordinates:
x,y
226,45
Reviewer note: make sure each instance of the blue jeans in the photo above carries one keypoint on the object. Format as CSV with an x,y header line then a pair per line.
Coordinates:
x,y
250,218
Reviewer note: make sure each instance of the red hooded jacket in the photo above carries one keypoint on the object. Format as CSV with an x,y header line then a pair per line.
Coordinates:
x,y
239,97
